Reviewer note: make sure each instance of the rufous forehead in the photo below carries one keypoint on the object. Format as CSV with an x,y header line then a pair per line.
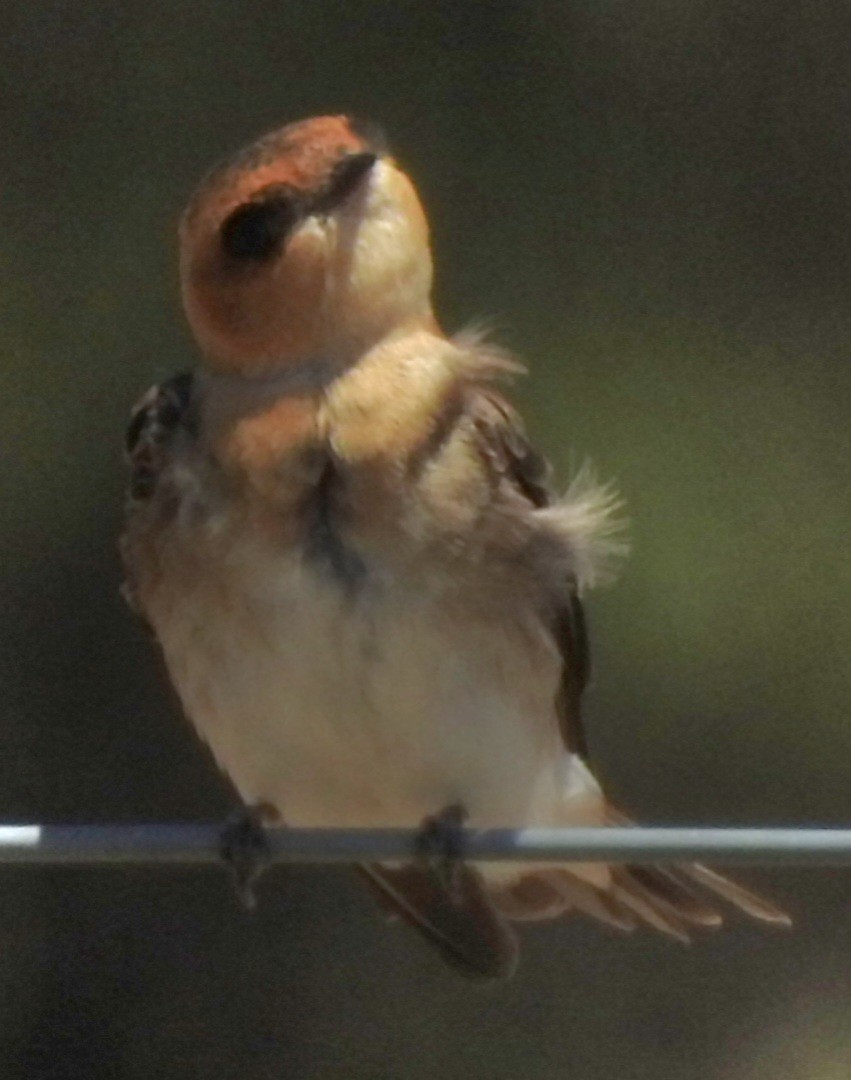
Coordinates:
x,y
299,155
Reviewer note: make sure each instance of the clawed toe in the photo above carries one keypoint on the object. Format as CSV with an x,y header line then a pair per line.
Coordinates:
x,y
440,845
245,851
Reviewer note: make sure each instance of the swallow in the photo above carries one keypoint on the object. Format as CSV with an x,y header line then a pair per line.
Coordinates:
x,y
366,590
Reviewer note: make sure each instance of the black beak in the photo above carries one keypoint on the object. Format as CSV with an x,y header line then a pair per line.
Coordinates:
x,y
345,178
256,230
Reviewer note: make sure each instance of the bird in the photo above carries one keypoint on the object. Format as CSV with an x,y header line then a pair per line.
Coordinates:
x,y
366,588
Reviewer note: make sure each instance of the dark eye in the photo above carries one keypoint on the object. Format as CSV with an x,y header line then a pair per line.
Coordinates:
x,y
255,231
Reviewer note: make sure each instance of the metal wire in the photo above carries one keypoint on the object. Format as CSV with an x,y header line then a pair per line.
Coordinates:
x,y
50,845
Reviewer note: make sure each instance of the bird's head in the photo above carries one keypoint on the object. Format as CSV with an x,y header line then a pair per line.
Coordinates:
x,y
308,247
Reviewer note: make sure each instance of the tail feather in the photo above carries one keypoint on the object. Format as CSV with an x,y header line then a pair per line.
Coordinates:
x,y
657,896
675,884
650,910
463,925
470,924
530,899
667,898
737,895
592,901
668,885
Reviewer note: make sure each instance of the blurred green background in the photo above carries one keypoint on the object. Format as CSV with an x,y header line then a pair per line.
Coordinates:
x,y
650,202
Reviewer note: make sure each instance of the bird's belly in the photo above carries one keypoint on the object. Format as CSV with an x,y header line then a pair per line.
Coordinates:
x,y
366,708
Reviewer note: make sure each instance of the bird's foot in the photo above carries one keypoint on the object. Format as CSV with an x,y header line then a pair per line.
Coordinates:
x,y
244,849
440,845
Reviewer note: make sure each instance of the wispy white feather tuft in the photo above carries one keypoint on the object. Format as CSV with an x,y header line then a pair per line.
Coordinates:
x,y
482,359
588,517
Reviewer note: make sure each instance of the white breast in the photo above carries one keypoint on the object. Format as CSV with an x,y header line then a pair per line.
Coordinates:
x,y
368,707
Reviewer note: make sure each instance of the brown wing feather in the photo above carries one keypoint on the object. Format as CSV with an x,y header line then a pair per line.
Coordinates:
x,y
153,420
663,897
519,464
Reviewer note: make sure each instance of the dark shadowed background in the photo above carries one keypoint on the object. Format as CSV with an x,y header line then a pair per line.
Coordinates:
x,y
652,203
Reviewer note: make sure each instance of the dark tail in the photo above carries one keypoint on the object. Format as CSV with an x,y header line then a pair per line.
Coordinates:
x,y
462,924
